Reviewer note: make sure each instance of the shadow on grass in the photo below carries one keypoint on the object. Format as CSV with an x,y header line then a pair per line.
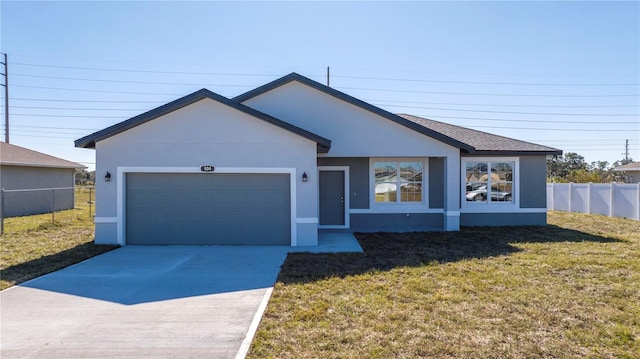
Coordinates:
x,y
34,268
385,251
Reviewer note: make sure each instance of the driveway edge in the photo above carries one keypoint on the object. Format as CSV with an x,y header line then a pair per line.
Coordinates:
x,y
253,328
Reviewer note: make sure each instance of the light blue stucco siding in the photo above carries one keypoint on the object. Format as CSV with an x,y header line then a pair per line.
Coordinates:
x,y
365,219
530,208
358,133
205,133
396,222
503,219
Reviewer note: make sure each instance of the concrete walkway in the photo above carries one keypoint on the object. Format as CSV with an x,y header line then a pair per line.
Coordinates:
x,y
148,302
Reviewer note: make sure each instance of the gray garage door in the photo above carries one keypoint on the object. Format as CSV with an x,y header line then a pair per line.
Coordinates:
x,y
208,208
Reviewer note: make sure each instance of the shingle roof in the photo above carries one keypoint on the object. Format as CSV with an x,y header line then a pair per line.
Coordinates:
x,y
633,166
483,142
89,141
19,156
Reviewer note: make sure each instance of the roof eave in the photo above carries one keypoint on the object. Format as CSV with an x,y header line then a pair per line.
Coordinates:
x,y
514,153
24,164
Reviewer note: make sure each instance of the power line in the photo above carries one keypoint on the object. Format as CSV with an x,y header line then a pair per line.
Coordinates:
x,y
512,112
130,82
369,101
88,101
58,137
401,106
503,105
276,75
551,129
146,71
481,94
479,82
80,116
351,88
80,109
99,91
58,128
536,121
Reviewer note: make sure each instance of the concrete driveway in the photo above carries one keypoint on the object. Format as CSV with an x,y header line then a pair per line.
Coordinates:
x,y
143,301
150,302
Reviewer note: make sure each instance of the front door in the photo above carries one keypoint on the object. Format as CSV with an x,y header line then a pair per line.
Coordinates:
x,y
332,198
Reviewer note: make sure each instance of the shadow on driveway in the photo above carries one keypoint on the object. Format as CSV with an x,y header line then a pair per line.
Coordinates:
x,y
141,274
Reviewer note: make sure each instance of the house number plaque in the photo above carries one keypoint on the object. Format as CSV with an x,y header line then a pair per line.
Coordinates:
x,y
207,168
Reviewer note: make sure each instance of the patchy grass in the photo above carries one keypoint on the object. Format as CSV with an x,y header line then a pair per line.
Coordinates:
x,y
35,245
568,290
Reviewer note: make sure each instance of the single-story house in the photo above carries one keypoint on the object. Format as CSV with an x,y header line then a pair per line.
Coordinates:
x,y
630,172
279,163
28,178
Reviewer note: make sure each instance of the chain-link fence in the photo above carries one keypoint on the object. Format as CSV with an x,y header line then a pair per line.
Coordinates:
x,y
30,202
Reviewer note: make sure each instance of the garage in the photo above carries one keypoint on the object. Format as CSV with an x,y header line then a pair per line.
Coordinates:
x,y
208,208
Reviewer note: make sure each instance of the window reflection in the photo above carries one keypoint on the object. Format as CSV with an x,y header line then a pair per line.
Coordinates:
x,y
389,176
489,180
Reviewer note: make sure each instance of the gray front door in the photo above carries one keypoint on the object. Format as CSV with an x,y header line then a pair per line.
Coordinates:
x,y
332,198
194,208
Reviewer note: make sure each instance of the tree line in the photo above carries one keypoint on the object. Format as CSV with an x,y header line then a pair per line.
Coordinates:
x,y
571,167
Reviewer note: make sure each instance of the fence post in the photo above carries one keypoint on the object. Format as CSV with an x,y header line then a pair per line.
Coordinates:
x,y
90,188
553,196
612,188
53,205
1,211
638,203
589,198
570,196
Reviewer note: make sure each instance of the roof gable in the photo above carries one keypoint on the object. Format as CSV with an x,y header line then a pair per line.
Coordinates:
x,y
354,101
19,156
89,141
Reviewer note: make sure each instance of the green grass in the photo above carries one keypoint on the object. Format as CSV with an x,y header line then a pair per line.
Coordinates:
x,y
568,290
35,245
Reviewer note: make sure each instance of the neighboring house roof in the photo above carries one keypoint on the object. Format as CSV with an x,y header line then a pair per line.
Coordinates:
x,y
633,166
12,155
352,100
89,141
482,142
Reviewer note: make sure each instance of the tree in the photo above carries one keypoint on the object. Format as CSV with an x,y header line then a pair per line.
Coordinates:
x,y
559,167
84,178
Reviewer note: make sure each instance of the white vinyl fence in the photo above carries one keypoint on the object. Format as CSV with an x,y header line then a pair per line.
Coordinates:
x,y
608,199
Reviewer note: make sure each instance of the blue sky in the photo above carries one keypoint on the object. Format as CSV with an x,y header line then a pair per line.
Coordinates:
x,y
563,74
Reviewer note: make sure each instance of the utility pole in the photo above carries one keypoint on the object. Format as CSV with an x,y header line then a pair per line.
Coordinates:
x,y
626,151
6,98
327,75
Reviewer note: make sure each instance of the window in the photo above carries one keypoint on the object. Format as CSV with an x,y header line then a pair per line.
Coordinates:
x,y
490,181
398,182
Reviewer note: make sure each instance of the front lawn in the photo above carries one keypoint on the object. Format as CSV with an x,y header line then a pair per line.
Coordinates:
x,y
569,290
35,245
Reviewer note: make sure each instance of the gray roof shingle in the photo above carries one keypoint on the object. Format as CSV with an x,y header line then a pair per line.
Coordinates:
x,y
19,156
483,142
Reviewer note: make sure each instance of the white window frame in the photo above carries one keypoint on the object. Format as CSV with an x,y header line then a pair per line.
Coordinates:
x,y
490,206
401,206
